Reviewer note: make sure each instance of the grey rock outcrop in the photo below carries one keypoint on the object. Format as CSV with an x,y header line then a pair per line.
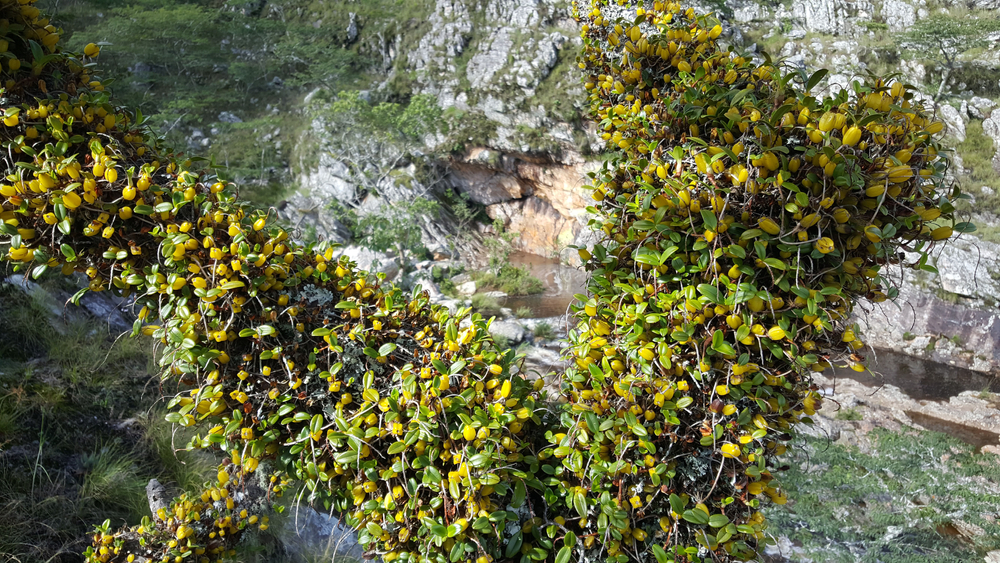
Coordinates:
x,y
330,179
823,16
955,125
950,317
109,310
352,28
882,404
980,108
991,128
898,14
157,497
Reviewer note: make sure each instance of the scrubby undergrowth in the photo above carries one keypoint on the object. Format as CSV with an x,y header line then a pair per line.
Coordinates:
x,y
897,500
742,218
80,431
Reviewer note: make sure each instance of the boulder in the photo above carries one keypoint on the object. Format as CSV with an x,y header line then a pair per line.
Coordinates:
x,y
309,535
513,332
982,107
466,288
953,122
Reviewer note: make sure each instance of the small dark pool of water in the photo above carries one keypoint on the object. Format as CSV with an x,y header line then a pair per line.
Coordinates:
x,y
561,283
921,380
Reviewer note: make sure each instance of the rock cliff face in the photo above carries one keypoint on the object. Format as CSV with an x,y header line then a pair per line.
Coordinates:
x,y
950,317
542,199
501,59
522,149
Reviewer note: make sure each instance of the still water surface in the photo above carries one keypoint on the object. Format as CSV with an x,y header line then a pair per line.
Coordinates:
x,y
561,283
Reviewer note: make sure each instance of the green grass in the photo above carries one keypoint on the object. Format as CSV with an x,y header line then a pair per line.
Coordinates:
x,y
848,414
485,305
79,434
888,504
977,153
524,312
544,331
112,479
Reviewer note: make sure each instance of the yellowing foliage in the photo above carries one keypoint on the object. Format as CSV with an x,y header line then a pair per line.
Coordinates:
x,y
742,218
742,200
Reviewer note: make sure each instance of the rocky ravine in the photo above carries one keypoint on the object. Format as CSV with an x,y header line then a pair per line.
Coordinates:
x,y
541,199
510,64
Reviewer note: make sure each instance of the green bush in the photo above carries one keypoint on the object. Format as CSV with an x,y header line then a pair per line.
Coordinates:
x,y
544,331
484,304
742,218
512,280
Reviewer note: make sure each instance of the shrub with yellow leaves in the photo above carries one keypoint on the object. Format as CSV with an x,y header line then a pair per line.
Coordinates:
x,y
742,219
401,416
742,216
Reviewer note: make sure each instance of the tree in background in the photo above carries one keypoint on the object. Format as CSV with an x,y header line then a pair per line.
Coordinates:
x,y
943,38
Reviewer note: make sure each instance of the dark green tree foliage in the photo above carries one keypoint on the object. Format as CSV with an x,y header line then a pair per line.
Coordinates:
x,y
943,38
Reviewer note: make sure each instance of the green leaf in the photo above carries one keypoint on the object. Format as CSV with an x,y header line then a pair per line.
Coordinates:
x,y
163,207
661,556
564,554
710,292
718,520
711,221
513,545
677,504
646,256
696,516
580,504
68,252
815,78
519,494
776,264
751,233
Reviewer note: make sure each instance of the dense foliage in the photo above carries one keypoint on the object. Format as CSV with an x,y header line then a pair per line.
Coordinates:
x,y
743,217
292,360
